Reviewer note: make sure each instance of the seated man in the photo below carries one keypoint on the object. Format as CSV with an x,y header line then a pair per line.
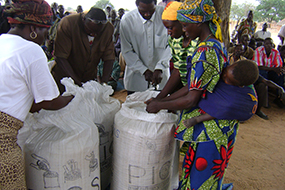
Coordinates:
x,y
237,54
270,65
261,87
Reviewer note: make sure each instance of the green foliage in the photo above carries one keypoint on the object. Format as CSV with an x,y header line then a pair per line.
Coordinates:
x,y
270,10
103,3
239,11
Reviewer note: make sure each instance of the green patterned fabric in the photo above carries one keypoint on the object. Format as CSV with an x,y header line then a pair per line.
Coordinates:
x,y
179,55
205,76
208,145
115,75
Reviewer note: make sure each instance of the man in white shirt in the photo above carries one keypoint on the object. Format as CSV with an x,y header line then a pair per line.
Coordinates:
x,y
145,47
262,34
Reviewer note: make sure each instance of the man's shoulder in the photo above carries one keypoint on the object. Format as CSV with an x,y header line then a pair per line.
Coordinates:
x,y
159,9
274,50
130,15
109,27
260,48
71,18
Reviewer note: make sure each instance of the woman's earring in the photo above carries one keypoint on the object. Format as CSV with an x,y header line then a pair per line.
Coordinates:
x,y
33,35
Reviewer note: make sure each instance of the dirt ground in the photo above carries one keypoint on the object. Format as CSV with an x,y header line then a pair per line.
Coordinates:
x,y
258,159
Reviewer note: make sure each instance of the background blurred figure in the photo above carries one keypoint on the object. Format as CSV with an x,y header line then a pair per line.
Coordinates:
x,y
4,25
52,32
248,51
79,9
237,54
60,11
261,35
281,35
247,26
108,11
121,12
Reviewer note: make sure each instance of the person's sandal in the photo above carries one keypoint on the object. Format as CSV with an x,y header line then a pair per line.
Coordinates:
x,y
262,115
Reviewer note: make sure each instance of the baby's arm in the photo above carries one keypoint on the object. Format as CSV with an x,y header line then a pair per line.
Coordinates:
x,y
198,119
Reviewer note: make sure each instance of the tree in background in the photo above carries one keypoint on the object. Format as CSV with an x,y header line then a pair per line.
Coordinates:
x,y
270,10
103,3
240,11
223,8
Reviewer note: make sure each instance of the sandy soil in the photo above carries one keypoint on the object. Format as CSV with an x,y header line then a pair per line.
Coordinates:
x,y
258,159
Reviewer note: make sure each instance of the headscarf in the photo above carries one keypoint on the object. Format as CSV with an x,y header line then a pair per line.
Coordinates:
x,y
35,12
170,11
200,11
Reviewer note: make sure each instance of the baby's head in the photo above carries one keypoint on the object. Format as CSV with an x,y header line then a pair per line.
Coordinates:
x,y
241,73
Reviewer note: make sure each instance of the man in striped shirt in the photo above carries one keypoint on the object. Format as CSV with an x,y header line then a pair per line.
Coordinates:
x,y
270,64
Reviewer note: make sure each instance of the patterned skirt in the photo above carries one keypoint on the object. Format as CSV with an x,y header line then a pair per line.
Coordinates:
x,y
207,149
12,173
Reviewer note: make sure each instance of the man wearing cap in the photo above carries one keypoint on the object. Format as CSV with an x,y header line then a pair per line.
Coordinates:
x,y
82,40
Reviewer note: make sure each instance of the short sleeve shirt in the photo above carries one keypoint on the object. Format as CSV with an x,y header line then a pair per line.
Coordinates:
x,y
24,76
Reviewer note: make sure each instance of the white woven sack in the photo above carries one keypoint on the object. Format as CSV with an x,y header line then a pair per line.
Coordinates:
x,y
143,148
103,115
144,96
63,151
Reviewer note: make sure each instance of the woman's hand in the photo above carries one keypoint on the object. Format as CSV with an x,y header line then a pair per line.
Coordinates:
x,y
152,106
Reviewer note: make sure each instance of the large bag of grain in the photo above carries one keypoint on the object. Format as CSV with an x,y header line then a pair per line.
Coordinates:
x,y
62,152
144,147
103,116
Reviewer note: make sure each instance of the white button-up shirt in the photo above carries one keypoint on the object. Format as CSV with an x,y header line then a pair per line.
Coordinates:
x,y
144,46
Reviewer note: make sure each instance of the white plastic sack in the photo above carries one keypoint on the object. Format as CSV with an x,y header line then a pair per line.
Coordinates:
x,y
62,151
144,148
103,115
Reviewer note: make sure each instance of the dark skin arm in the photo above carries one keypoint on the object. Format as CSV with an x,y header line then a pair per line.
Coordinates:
x,y
187,101
55,104
153,77
148,75
156,77
172,84
67,69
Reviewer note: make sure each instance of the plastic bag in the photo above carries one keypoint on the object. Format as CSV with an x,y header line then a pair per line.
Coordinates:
x,y
62,151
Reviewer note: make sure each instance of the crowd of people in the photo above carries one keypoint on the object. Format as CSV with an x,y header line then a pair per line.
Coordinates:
x,y
176,48
259,47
